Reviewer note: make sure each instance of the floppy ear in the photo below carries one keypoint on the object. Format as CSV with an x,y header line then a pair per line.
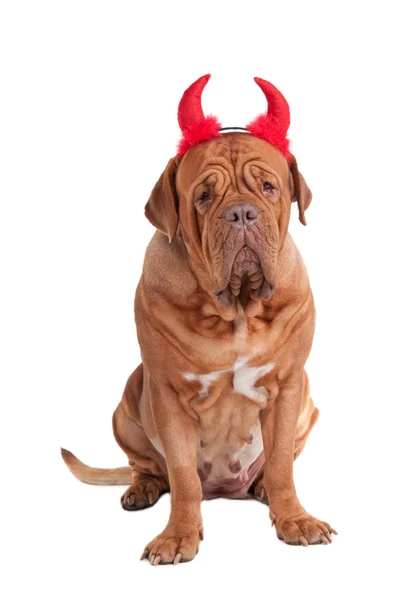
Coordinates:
x,y
301,192
162,207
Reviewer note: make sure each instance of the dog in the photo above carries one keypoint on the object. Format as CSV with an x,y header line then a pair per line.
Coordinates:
x,y
220,405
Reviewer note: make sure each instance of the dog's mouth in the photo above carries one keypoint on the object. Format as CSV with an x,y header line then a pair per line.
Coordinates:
x,y
246,280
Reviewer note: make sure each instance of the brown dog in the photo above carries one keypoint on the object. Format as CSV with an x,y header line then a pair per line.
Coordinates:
x,y
220,405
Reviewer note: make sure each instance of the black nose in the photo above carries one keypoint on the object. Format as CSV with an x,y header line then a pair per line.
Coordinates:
x,y
241,214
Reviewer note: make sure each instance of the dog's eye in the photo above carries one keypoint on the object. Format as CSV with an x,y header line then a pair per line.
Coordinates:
x,y
203,199
203,202
267,186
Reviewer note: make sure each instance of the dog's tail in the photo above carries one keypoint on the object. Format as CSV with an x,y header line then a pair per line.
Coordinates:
x,y
120,476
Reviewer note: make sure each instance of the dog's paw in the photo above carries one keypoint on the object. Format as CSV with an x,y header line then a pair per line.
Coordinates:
x,y
259,492
302,530
173,546
144,492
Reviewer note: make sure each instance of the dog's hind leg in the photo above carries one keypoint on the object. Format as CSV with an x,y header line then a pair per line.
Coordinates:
x,y
148,467
144,492
148,476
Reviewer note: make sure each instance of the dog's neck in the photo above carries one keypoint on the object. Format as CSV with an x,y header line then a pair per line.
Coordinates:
x,y
291,283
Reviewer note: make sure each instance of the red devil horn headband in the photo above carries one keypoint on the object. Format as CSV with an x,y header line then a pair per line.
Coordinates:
x,y
271,126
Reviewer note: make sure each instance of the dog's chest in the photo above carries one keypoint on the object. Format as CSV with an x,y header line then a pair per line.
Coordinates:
x,y
247,364
240,378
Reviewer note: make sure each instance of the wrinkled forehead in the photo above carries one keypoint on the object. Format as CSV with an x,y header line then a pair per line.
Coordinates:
x,y
231,152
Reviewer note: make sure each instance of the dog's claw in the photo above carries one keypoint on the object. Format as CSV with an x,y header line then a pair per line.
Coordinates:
x,y
144,554
150,498
324,539
177,559
326,534
303,541
157,560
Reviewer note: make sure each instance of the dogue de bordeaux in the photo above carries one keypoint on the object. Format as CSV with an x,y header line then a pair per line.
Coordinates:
x,y
220,405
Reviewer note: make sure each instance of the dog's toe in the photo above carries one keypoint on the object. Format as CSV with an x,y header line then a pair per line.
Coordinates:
x,y
142,494
259,492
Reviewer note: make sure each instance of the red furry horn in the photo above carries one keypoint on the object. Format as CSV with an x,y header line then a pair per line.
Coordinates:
x,y
195,127
190,108
273,125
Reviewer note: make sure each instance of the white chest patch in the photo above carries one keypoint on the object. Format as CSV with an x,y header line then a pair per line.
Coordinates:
x,y
205,380
246,377
243,381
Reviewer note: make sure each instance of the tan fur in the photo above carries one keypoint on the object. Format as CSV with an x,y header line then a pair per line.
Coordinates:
x,y
220,405
119,476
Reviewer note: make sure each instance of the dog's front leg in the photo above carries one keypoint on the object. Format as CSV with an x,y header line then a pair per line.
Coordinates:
x,y
178,436
278,422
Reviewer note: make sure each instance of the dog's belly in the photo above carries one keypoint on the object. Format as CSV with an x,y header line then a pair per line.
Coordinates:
x,y
228,403
230,472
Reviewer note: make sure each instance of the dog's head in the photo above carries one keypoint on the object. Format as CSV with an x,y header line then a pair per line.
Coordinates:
x,y
229,198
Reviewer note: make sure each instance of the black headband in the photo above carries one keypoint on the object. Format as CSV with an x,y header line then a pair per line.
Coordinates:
x,y
233,129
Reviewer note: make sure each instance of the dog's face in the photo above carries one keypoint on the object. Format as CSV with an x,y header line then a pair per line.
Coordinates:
x,y
230,199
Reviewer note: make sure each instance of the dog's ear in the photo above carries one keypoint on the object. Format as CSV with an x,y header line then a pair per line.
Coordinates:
x,y
162,207
300,192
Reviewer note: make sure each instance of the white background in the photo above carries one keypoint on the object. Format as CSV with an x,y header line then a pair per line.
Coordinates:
x,y
88,121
